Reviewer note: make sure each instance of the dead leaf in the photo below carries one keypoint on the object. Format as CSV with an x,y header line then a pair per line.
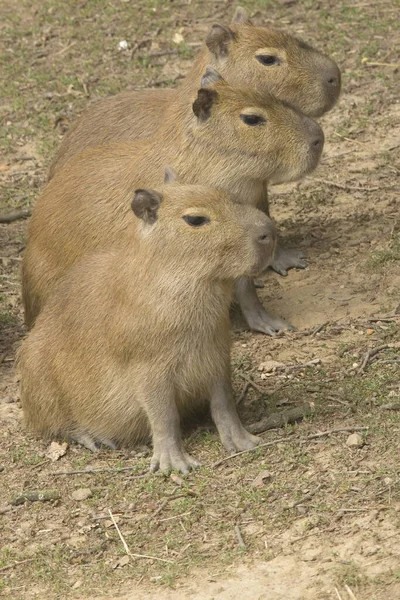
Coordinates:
x,y
176,479
261,478
4,167
55,451
121,562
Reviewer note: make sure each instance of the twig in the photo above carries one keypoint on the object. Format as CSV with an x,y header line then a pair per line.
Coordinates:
x,y
255,385
126,547
343,137
162,53
280,419
371,352
105,470
243,393
383,318
304,499
239,537
174,517
389,361
368,63
15,216
288,439
314,436
310,363
337,594
356,188
272,443
350,593
16,564
318,329
165,502
392,406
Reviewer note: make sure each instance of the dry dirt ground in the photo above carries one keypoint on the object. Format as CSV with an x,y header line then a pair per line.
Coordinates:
x,y
317,519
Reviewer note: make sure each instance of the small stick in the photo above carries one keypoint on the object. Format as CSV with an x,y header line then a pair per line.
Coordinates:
x,y
330,431
243,393
318,329
15,216
389,361
357,188
379,64
280,419
337,594
348,139
126,547
392,406
105,470
288,439
310,363
369,354
255,385
306,497
388,318
239,537
175,517
165,502
272,443
16,564
350,593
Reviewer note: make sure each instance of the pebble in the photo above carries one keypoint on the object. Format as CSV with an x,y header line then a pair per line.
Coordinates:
x,y
355,440
82,494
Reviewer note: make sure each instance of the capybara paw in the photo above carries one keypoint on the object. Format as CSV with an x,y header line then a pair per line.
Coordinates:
x,y
238,440
262,322
287,258
172,459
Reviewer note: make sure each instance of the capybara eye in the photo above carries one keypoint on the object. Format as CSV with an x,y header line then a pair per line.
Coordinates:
x,y
195,221
268,59
253,119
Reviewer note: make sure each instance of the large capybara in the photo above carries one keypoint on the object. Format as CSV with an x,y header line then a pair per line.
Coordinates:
x,y
133,339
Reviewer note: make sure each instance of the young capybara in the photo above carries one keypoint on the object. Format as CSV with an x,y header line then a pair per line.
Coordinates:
x,y
233,139
133,339
256,58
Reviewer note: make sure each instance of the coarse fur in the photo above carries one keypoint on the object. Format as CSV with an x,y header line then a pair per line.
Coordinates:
x,y
85,206
298,74
132,340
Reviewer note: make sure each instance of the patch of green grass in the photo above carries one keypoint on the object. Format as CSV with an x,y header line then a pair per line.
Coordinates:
x,y
380,258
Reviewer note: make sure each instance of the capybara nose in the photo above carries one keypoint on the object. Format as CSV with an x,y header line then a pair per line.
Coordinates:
x,y
333,77
316,135
266,232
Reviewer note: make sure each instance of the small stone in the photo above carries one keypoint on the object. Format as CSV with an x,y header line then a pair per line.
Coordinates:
x,y
55,451
81,494
270,365
178,38
123,45
355,440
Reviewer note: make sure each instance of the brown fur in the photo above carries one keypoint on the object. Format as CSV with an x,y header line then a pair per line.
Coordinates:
x,y
84,206
132,337
304,77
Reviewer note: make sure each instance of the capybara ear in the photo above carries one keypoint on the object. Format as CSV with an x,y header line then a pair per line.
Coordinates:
x,y
203,103
218,40
145,205
170,175
210,76
240,16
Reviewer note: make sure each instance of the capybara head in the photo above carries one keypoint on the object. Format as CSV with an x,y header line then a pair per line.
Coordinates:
x,y
202,229
269,60
271,140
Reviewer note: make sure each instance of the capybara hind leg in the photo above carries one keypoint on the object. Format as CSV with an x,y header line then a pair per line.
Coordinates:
x,y
234,436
